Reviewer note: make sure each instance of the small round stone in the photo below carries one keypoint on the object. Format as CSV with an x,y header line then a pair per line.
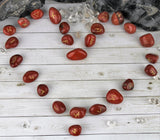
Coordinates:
x,y
111,123
140,120
151,100
118,108
42,90
3,50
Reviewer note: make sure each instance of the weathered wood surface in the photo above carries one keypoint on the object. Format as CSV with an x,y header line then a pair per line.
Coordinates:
x,y
91,125
89,137
47,40
43,107
96,56
115,57
78,89
77,72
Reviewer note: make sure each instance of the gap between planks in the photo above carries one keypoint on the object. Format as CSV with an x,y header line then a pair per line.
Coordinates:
x,y
150,136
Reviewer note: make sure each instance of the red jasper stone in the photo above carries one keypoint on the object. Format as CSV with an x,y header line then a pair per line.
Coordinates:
x,y
97,29
77,54
16,60
130,28
30,76
77,112
42,90
152,58
54,15
67,39
90,40
37,14
75,130
128,84
147,40
97,109
117,18
12,42
150,70
9,30
114,97
23,22
64,27
103,17
59,107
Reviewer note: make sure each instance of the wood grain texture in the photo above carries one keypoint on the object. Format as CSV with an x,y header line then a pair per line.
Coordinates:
x,y
115,57
77,72
89,137
78,89
22,126
43,107
95,56
53,40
